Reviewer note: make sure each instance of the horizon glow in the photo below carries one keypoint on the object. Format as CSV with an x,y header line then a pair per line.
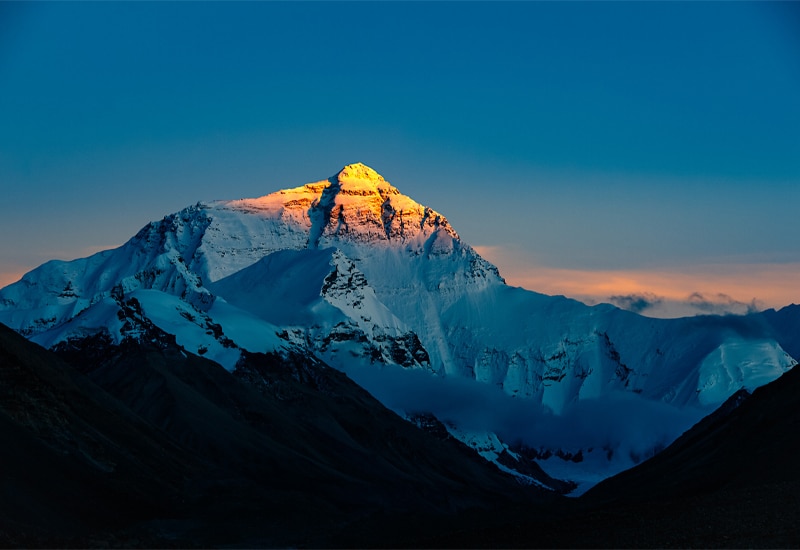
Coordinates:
x,y
664,293
600,149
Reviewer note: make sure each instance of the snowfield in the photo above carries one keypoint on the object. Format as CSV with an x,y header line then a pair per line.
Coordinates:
x,y
383,288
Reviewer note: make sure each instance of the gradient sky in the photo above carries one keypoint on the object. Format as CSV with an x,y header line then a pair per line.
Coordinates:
x,y
635,150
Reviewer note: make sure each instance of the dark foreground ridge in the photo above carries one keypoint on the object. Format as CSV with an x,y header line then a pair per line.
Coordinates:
x,y
143,444
731,481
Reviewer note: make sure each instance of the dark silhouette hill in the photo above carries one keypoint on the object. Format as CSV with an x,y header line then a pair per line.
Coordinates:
x,y
145,444
731,481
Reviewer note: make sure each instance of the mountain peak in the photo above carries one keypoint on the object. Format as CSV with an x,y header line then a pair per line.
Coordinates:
x,y
355,205
360,180
359,171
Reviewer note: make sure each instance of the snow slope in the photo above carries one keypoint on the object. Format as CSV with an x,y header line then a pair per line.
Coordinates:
x,y
362,276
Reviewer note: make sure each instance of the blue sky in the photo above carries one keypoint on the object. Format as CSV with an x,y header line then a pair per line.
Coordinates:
x,y
575,144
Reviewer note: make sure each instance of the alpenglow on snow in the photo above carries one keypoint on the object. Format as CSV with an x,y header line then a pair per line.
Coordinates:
x,y
368,280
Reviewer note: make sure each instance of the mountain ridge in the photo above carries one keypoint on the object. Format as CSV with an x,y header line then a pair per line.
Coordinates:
x,y
386,282
144,444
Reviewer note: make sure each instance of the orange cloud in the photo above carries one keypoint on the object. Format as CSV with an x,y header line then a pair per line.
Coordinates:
x,y
768,285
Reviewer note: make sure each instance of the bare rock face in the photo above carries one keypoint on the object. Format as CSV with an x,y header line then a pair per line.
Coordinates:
x,y
361,205
353,271
357,205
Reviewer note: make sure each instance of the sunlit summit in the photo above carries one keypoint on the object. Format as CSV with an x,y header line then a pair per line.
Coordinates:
x,y
364,278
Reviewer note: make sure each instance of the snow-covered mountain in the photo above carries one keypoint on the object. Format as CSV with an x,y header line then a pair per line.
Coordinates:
x,y
377,285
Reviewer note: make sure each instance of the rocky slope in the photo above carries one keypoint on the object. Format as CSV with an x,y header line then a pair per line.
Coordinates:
x,y
143,444
731,481
363,277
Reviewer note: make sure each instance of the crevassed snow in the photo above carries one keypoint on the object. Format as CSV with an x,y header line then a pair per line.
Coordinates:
x,y
737,364
355,271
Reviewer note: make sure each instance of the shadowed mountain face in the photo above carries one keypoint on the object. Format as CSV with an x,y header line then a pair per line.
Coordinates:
x,y
255,441
785,326
351,271
74,459
731,481
146,444
753,440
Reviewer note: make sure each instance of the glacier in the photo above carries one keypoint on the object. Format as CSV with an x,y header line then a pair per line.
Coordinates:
x,y
366,279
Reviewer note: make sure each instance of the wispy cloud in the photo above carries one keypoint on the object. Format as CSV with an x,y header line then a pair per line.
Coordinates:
x,y
721,303
696,303
720,288
636,302
619,421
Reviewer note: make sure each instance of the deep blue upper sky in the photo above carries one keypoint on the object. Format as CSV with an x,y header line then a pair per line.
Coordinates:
x,y
579,135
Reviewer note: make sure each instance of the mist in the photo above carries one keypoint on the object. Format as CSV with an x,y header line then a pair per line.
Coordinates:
x,y
621,422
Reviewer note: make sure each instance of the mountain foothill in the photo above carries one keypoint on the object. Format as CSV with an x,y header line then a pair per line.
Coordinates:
x,y
331,365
